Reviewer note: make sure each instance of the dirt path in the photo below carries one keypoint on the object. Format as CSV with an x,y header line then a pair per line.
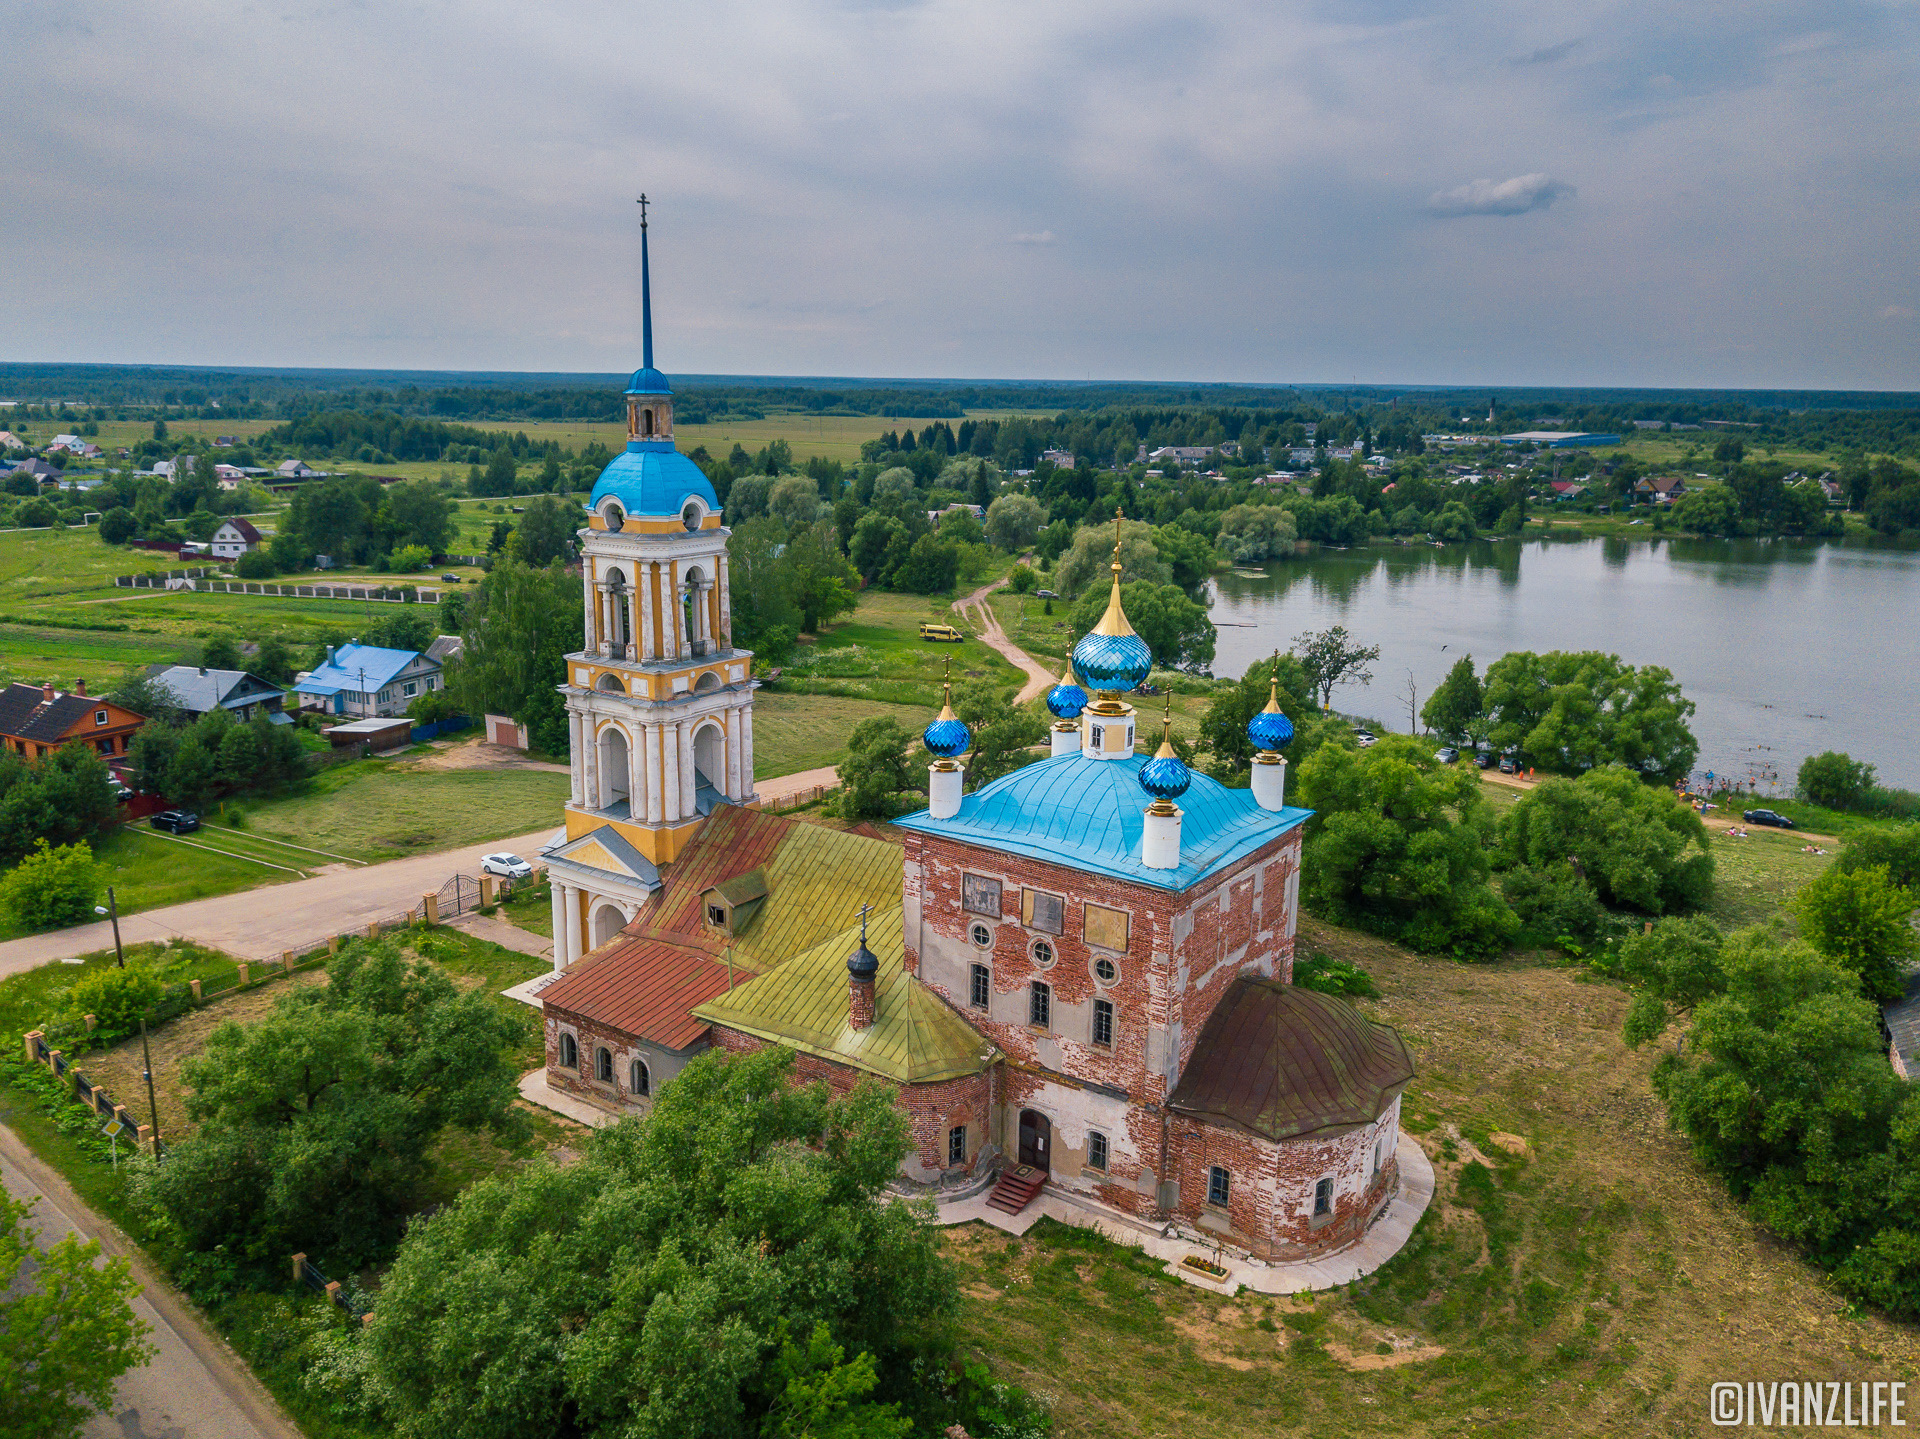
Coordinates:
x,y
1039,677
479,754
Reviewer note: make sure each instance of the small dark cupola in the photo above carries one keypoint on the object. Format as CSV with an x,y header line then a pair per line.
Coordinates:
x,y
862,966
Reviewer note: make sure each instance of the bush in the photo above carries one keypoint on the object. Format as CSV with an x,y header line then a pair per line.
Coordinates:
x,y
1897,847
1553,902
1021,579
410,559
255,565
1835,781
36,515
117,525
52,888
1326,975
116,998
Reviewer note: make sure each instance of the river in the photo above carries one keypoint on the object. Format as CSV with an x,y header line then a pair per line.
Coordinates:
x,y
1787,647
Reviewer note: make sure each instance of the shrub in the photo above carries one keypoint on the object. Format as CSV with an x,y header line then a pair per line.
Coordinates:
x,y
116,998
1552,901
1835,781
52,888
1021,579
255,565
410,559
1327,975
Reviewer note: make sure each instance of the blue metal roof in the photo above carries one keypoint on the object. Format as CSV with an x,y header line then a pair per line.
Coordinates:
x,y
648,381
1088,814
349,661
653,479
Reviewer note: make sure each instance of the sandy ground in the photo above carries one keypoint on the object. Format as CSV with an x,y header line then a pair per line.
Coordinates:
x,y
479,754
1717,820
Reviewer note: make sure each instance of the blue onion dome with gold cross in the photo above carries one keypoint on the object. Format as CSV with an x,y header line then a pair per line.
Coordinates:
x,y
1111,657
1166,775
1066,699
1270,730
948,736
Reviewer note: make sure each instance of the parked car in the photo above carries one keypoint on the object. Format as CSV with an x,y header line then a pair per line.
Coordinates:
x,y
1509,764
1767,816
451,579
1447,754
1045,595
1365,738
122,792
1483,758
507,866
176,821
945,634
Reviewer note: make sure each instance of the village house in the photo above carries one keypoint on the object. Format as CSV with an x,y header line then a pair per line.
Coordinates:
x,y
1659,489
201,691
234,538
368,682
36,720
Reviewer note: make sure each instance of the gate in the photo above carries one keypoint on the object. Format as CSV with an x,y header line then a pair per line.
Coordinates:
x,y
458,895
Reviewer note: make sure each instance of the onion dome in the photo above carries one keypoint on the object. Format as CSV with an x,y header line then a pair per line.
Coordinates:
x,y
948,736
1166,775
1270,729
1111,656
1066,699
863,964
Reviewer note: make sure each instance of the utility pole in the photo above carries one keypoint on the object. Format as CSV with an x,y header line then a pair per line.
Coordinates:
x,y
112,910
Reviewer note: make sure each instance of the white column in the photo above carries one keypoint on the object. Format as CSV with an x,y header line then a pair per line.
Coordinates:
x,y
589,599
606,623
746,750
644,582
684,647
685,732
573,923
636,777
670,769
577,760
591,772
726,603
559,925
733,753
650,737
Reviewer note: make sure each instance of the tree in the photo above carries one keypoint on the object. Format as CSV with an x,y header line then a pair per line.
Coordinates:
x,y
546,532
757,587
1188,556
657,1286
1858,919
932,565
409,559
1398,846
1331,657
1014,523
417,512
794,501
1835,781
896,485
1224,728
274,660
65,797
256,564
67,1329
1454,523
1897,847
328,519
1633,842
1675,967
1569,711
819,580
1711,510
288,552
1453,709
875,772
220,652
117,525
1002,735
1021,579
52,888
1175,628
521,625
501,477
312,1127
1254,534
36,515
1087,560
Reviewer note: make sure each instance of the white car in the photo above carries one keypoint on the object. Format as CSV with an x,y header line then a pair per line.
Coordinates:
x,y
1365,739
507,866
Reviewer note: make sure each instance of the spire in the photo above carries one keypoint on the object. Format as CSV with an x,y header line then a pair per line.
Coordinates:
x,y
1114,621
1166,730
646,294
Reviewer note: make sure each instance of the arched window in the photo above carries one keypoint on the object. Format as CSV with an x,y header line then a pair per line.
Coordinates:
x,y
603,1066
639,1078
616,517
690,516
646,424
569,1052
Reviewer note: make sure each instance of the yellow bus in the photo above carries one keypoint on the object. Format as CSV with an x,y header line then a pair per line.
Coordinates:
x,y
941,632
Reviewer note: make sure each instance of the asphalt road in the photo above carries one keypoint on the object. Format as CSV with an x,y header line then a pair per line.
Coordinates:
x,y
194,1387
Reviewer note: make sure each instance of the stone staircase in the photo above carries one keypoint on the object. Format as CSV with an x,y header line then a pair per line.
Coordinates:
x,y
1016,1189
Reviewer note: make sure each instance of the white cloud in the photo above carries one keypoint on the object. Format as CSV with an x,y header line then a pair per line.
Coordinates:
x,y
1043,237
1508,197
1547,54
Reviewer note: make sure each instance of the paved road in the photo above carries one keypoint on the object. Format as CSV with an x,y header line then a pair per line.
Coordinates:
x,y
194,1387
260,923
1039,677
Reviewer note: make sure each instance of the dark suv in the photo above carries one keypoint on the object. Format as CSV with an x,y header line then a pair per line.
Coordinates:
x,y
176,821
1767,816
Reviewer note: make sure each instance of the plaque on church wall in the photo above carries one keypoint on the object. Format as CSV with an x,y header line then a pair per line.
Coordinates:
x,y
1106,928
1042,911
979,895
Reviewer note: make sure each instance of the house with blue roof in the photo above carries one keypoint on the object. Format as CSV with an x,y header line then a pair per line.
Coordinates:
x,y
368,682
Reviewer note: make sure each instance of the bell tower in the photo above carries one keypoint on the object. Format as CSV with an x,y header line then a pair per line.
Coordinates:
x,y
659,702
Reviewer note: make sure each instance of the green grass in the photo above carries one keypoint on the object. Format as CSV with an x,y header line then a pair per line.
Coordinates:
x,y
878,654
376,809
1754,877
148,873
792,732
530,907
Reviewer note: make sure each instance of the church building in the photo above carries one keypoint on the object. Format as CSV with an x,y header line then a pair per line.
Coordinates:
x,y
1076,976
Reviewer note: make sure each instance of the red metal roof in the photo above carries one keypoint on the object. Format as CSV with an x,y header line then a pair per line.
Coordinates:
x,y
731,842
642,987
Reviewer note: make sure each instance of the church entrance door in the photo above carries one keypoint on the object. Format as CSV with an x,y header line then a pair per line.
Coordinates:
x,y
1036,1139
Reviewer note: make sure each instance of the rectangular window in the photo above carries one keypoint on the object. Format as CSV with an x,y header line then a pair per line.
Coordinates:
x,y
957,1144
981,988
99,716
979,895
105,746
433,682
1218,1184
1042,911
1103,1022
1040,1004
1096,1150
1323,1199
409,689
1106,928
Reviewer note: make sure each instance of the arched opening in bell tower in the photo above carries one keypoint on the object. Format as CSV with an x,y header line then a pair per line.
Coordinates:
x,y
616,768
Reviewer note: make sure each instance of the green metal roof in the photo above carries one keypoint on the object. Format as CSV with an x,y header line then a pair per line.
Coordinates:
x,y
915,1037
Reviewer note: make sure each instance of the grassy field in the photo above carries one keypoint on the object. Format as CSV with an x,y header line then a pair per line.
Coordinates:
x,y
877,654
792,733
1596,1286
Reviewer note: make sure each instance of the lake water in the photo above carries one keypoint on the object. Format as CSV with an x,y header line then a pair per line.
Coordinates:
x,y
1786,647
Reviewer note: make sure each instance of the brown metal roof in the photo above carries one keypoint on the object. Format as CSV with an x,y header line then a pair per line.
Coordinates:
x,y
1282,1062
641,987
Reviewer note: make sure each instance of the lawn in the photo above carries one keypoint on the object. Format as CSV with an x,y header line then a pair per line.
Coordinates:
x,y
877,654
1597,1286
792,733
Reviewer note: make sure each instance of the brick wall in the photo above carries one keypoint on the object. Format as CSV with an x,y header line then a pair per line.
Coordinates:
x,y
591,1035
933,1110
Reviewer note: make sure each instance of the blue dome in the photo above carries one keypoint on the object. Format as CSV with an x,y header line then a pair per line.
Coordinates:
x,y
648,381
947,737
1066,699
653,479
1112,662
1269,730
1166,775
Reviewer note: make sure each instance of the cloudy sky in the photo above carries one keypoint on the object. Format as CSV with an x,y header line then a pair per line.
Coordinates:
x,y
1391,191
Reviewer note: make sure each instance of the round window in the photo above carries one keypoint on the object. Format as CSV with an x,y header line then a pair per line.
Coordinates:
x,y
1105,970
982,936
1042,952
